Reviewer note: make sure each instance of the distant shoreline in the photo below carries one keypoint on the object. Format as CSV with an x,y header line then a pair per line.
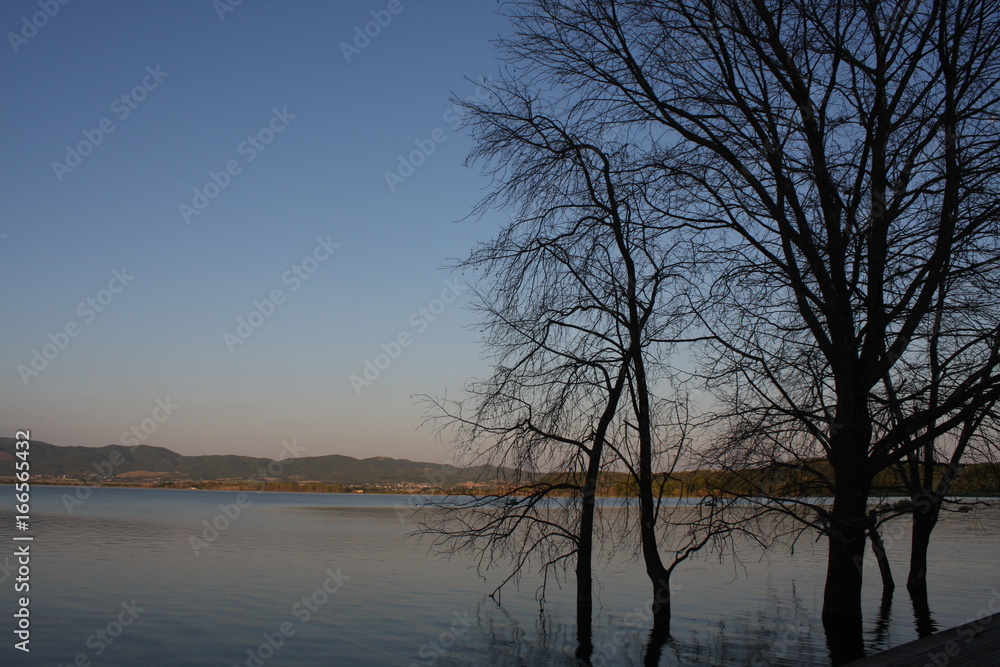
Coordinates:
x,y
215,485
309,488
276,487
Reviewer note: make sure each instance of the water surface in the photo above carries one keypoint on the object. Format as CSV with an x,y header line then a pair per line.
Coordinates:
x,y
333,580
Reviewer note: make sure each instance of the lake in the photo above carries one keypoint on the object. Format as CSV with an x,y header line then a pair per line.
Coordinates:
x,y
316,579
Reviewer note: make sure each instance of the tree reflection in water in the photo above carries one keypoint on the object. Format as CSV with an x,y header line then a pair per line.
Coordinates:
x,y
783,630
779,633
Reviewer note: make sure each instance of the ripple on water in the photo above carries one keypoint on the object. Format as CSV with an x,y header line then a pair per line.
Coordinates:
x,y
398,605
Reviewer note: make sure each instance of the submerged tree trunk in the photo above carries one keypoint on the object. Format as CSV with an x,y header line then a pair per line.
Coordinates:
x,y
842,593
588,511
849,521
848,535
658,575
878,548
927,503
925,516
584,578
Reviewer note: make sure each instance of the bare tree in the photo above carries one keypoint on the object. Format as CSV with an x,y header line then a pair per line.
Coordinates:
x,y
839,158
944,354
543,418
579,309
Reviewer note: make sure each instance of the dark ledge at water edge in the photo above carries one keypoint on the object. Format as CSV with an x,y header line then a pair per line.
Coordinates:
x,y
974,644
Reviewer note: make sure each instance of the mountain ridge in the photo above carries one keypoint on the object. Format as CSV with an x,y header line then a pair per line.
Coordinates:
x,y
114,461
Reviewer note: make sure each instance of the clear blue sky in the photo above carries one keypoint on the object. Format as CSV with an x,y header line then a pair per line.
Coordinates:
x,y
203,93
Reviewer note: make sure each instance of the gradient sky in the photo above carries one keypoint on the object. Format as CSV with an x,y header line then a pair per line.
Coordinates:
x,y
67,230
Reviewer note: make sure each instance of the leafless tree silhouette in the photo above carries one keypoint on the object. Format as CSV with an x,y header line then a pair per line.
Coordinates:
x,y
832,164
579,306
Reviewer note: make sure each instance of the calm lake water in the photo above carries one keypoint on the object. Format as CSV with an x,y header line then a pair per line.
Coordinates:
x,y
374,597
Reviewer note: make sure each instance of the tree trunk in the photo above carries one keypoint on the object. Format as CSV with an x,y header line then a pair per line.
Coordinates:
x,y
848,535
925,515
588,509
584,578
842,594
659,576
878,548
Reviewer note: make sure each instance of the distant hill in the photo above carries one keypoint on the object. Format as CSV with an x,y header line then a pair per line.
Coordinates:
x,y
115,463
145,461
